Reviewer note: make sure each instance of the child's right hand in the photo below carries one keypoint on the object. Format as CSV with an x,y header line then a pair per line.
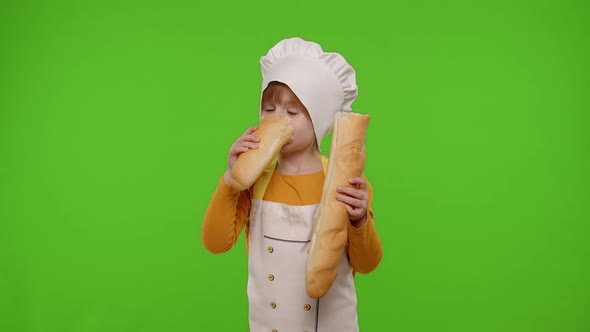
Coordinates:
x,y
244,143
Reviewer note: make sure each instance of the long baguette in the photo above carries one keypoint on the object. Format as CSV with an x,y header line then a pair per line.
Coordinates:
x,y
330,235
274,132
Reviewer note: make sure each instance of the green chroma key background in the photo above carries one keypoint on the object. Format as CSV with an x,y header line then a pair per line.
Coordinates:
x,y
116,119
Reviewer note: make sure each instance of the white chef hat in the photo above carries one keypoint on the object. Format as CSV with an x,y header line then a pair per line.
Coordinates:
x,y
323,81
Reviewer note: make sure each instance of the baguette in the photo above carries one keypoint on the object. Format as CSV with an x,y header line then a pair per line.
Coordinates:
x,y
330,234
274,132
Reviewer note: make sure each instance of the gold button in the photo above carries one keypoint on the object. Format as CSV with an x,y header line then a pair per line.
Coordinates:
x,y
274,330
270,249
273,305
271,277
307,307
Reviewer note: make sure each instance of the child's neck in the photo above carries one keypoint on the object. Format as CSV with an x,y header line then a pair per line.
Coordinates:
x,y
305,162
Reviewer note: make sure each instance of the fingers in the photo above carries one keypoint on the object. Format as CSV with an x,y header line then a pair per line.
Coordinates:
x,y
249,138
246,141
241,147
247,135
352,201
247,144
360,194
359,182
250,130
355,199
356,193
355,214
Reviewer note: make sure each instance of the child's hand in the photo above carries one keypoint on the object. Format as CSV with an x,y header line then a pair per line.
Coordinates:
x,y
356,200
244,143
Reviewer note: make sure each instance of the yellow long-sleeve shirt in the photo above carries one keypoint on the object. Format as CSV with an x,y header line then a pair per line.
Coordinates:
x,y
228,213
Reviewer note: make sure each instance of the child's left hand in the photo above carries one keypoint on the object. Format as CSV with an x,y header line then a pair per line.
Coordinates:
x,y
356,200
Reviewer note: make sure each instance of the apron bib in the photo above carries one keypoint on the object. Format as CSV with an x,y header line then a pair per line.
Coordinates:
x,y
278,243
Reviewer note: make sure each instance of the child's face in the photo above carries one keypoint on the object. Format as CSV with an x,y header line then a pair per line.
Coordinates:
x,y
286,104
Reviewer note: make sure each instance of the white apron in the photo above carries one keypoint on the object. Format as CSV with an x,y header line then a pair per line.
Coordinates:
x,y
279,238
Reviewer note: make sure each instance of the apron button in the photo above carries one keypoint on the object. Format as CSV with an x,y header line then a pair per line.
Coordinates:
x,y
270,249
273,305
307,307
271,277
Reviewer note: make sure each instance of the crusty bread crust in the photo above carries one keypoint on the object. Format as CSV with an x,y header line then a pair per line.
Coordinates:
x,y
274,132
330,235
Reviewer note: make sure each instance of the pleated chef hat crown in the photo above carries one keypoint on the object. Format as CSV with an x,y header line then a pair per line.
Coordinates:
x,y
323,81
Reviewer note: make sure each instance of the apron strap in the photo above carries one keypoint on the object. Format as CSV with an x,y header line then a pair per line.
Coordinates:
x,y
262,182
324,163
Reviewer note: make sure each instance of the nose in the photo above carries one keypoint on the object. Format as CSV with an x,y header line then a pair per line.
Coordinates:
x,y
281,112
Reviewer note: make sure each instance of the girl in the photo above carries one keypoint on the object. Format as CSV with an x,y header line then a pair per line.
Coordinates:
x,y
308,85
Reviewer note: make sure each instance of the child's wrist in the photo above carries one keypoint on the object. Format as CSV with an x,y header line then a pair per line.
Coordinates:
x,y
359,222
227,177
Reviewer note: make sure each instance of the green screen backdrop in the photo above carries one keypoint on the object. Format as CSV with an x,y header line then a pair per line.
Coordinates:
x,y
116,119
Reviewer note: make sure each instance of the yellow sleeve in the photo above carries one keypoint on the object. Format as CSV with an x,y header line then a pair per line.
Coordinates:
x,y
226,215
364,244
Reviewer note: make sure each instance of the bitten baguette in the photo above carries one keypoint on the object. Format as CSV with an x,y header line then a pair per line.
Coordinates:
x,y
274,132
330,235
